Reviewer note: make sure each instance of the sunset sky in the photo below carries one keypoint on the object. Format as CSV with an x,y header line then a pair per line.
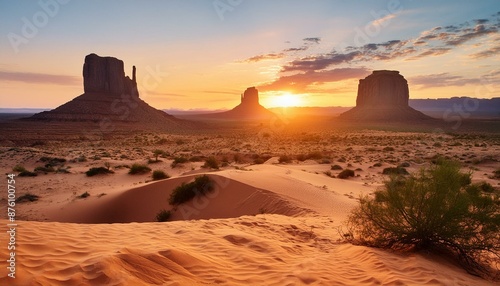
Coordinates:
x,y
202,54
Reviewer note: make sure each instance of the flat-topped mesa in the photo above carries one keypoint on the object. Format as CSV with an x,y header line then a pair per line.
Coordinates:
x,y
383,96
250,96
383,88
106,75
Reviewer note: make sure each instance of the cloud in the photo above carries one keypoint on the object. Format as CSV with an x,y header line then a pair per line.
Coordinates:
x,y
319,62
383,21
441,80
314,40
264,57
494,51
300,82
39,78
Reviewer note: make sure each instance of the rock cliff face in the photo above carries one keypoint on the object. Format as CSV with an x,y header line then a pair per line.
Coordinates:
x,y
106,74
250,97
383,96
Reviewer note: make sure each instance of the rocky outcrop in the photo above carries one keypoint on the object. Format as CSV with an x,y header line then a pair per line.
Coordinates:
x,y
248,109
106,75
250,97
383,96
110,97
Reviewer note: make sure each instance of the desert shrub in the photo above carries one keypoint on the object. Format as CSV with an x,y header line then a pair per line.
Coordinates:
x,y
185,192
258,161
157,153
159,175
388,149
435,209
211,162
178,160
52,161
27,173
395,171
404,165
195,159
27,198
329,174
45,169
84,195
496,174
342,160
139,169
18,168
163,215
336,167
378,164
285,159
346,174
97,171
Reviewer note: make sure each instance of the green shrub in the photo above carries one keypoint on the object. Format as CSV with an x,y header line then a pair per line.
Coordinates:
x,y
163,215
346,174
211,162
97,171
178,160
285,159
185,192
19,168
435,209
139,169
27,174
84,195
27,198
159,175
46,169
395,171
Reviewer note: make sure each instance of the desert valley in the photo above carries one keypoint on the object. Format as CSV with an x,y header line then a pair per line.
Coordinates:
x,y
375,162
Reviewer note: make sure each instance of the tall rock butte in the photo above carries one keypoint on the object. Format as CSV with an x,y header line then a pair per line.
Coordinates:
x,y
109,96
383,96
248,109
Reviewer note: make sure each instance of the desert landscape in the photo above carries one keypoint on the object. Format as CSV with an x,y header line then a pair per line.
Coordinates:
x,y
116,187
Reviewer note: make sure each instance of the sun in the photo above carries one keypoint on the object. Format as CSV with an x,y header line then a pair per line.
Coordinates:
x,y
287,100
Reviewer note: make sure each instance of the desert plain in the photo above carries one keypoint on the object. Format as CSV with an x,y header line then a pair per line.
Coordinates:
x,y
274,216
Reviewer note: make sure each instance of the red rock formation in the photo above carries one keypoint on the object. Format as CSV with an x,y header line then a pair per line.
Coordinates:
x,y
383,95
110,96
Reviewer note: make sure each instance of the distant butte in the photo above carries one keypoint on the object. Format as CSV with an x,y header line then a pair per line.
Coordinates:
x,y
248,109
383,96
111,96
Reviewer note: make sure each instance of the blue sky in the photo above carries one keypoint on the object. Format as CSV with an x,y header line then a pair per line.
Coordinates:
x,y
207,52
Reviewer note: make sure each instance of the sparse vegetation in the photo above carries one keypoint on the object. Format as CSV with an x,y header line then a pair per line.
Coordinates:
x,y
178,160
45,170
395,171
139,169
187,191
435,209
27,198
159,175
163,216
346,174
84,195
98,171
19,168
336,167
211,162
284,159
27,173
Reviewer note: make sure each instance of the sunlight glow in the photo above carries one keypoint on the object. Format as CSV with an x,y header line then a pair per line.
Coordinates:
x,y
287,100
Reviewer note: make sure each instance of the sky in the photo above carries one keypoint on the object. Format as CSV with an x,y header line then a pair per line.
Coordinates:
x,y
202,54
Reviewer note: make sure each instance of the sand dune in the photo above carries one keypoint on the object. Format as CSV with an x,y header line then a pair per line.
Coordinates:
x,y
250,250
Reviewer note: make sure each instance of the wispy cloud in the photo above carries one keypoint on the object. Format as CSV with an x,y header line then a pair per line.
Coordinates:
x,y
441,80
39,78
258,58
383,21
301,82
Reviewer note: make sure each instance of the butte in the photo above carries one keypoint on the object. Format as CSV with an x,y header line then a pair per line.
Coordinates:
x,y
383,96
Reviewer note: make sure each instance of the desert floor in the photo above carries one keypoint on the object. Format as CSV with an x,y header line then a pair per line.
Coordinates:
x,y
266,222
